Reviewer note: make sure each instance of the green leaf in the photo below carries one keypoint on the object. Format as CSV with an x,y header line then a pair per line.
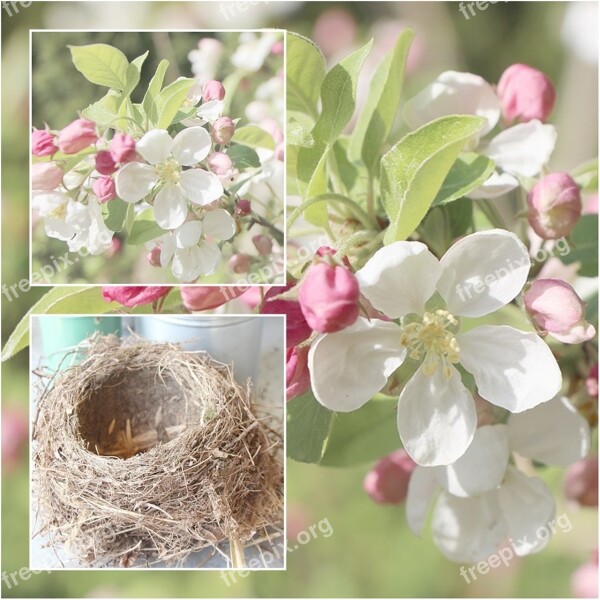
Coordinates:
x,y
149,101
586,176
466,174
104,111
144,229
308,424
133,74
117,213
254,136
583,244
243,157
317,184
298,131
378,115
363,435
59,300
348,171
170,100
413,171
305,72
101,64
460,216
338,96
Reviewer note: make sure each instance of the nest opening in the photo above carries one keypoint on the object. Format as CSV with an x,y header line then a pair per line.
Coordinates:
x,y
123,417
146,452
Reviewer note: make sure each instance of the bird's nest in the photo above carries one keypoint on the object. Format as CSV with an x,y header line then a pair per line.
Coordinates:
x,y
144,452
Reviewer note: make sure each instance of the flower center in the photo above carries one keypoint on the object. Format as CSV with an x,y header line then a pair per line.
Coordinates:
x,y
432,340
60,212
169,171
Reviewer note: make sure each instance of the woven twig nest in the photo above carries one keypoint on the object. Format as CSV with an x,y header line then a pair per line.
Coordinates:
x,y
146,452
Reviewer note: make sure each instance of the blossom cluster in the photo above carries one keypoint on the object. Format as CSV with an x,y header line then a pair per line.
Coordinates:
x,y
169,174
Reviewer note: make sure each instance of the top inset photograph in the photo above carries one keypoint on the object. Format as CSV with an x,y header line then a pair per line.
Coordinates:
x,y
157,157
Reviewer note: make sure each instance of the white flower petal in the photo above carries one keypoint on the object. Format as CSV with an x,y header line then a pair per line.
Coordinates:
x,y
186,265
170,209
210,111
99,236
191,145
134,181
482,467
483,272
527,507
523,149
209,256
188,234
155,146
436,417
553,433
422,487
467,530
201,187
512,369
218,224
582,332
167,250
398,279
58,229
454,93
349,366
497,184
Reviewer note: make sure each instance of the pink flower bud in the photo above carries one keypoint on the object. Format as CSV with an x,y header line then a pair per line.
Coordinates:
x,y
122,148
76,136
222,166
243,208
42,143
297,376
387,482
280,151
46,176
525,94
329,297
555,307
197,297
104,188
240,263
153,257
581,482
15,433
134,295
263,244
554,206
105,164
584,582
222,130
297,329
213,90
115,247
277,49
591,382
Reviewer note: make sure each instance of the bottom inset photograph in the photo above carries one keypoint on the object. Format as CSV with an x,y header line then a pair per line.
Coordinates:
x,y
157,442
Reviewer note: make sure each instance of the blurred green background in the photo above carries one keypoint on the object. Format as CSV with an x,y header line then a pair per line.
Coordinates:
x,y
371,551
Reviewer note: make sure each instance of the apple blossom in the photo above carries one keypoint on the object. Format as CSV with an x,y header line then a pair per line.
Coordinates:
x,y
213,90
43,143
165,178
240,263
554,206
105,163
122,148
329,296
526,94
134,295
222,166
46,176
263,244
243,207
104,188
556,308
191,250
581,482
222,130
436,413
387,482
198,298
584,582
297,377
483,499
77,136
